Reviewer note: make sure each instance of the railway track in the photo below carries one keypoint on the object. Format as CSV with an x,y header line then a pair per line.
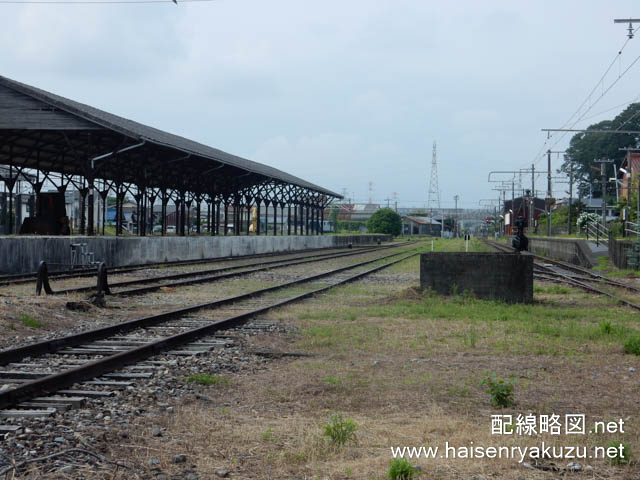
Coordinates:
x,y
88,360
557,271
212,275
22,278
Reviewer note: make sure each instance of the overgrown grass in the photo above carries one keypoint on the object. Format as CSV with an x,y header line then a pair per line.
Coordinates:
x,y
500,390
539,328
31,322
208,379
340,431
607,268
554,289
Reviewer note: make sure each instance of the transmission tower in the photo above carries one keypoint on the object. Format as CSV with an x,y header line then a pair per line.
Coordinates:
x,y
433,201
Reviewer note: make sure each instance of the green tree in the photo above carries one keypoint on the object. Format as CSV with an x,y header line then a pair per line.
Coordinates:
x,y
333,217
386,221
585,147
560,216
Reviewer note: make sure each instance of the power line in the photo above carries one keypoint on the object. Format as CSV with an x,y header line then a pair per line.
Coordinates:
x,y
598,99
537,158
96,2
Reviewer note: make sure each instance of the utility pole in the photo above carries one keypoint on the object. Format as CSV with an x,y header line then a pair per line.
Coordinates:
x,y
603,183
533,195
549,192
395,201
513,205
455,218
570,194
631,21
549,199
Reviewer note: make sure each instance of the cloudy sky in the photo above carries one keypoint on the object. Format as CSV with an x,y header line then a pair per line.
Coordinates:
x,y
342,93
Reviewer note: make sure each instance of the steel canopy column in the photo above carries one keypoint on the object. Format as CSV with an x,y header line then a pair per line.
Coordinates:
x,y
119,207
275,218
216,222
103,196
282,219
11,184
226,216
236,218
248,217
176,204
90,229
83,219
183,214
259,200
289,219
163,212
198,215
188,216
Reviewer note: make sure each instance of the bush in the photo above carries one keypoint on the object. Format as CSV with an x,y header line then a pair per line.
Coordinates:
x,y
632,345
207,379
401,470
626,452
606,327
501,391
586,218
385,221
29,321
339,431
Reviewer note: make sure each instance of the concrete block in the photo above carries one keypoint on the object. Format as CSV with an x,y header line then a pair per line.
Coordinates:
x,y
500,276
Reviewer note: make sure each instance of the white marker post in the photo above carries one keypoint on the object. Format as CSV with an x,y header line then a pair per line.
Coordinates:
x,y
466,241
432,245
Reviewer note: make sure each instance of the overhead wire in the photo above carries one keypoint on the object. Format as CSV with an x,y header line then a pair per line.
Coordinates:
x,y
97,2
538,157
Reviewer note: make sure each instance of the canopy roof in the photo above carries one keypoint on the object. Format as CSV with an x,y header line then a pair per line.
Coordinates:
x,y
50,133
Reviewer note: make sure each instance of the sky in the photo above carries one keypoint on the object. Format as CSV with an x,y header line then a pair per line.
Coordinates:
x,y
344,93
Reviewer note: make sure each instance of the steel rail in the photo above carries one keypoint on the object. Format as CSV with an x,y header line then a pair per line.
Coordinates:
x,y
590,288
570,280
568,266
211,275
88,271
53,345
57,381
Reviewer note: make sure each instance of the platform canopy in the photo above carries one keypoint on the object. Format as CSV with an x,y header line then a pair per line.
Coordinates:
x,y
48,134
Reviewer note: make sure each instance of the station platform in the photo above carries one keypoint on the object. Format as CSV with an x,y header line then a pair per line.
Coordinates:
x,y
22,254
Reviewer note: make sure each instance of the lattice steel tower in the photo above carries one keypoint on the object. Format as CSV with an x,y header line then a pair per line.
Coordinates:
x,y
433,201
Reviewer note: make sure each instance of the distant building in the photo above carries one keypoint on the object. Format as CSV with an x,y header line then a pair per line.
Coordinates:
x,y
420,226
628,173
357,212
594,205
521,207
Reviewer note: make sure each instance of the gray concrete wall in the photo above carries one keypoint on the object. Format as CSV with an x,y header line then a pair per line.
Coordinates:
x,y
23,254
572,250
618,252
500,276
